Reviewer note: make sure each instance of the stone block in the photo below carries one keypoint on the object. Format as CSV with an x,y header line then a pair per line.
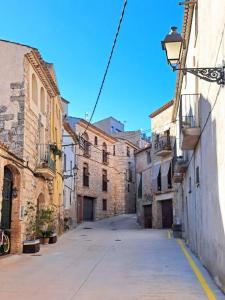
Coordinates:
x,y
6,117
17,98
17,85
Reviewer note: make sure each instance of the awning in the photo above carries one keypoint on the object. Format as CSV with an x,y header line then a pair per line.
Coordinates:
x,y
155,173
165,165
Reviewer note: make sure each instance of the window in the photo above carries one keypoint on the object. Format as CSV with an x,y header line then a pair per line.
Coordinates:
x,y
128,151
64,162
128,187
104,204
86,145
42,100
169,176
34,89
129,173
148,155
140,187
85,175
159,181
71,167
96,140
197,177
70,197
114,150
189,185
104,181
105,159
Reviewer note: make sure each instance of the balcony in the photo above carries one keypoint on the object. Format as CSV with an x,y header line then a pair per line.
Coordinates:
x,y
46,165
163,146
177,177
105,157
180,165
189,127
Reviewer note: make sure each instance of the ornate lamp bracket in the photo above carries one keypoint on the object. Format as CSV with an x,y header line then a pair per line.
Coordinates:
x,y
209,74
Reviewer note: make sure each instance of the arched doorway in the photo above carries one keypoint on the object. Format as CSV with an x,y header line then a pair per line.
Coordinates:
x,y
10,207
6,211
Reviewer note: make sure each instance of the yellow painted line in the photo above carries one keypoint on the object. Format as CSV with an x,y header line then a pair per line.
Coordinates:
x,y
209,293
169,234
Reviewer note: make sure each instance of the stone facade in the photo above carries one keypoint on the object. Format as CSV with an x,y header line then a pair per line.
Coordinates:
x,y
156,205
144,191
117,197
28,94
163,145
199,108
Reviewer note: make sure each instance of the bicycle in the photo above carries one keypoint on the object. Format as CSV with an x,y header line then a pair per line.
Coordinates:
x,y
4,242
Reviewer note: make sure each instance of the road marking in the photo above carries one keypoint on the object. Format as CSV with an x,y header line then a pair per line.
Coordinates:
x,y
169,234
201,279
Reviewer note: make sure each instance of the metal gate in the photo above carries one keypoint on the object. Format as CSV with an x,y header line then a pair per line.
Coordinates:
x,y
6,199
88,209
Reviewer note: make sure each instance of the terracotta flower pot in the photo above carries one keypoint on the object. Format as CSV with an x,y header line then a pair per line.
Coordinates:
x,y
44,240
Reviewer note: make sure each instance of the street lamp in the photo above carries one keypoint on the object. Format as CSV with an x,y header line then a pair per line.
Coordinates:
x,y
174,44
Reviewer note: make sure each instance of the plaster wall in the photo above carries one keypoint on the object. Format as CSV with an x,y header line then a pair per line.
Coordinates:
x,y
204,203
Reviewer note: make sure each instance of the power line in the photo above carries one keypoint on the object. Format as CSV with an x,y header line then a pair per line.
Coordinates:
x,y
108,64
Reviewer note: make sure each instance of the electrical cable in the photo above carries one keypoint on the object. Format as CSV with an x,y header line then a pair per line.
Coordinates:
x,y
107,66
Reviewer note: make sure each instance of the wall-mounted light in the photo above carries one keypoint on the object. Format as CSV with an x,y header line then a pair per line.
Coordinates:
x,y
174,45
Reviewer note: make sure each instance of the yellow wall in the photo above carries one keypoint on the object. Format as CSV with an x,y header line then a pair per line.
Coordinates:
x,y
56,138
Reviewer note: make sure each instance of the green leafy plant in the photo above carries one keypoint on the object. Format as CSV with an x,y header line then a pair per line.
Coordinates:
x,y
46,221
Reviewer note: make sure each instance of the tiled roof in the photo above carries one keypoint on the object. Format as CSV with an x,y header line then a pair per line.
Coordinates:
x,y
161,109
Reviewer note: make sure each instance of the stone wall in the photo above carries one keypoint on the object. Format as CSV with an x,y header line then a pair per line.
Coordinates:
x,y
119,200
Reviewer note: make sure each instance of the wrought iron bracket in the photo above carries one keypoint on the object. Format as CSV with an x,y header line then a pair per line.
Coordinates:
x,y
209,74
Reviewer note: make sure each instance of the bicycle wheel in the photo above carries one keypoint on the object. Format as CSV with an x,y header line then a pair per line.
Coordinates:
x,y
6,243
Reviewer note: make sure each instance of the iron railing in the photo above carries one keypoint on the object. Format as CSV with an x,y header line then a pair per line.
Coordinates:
x,y
45,159
162,143
188,112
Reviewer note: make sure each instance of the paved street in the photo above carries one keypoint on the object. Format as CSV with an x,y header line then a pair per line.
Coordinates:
x,y
109,259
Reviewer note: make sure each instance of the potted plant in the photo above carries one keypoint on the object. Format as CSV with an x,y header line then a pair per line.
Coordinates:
x,y
45,219
31,244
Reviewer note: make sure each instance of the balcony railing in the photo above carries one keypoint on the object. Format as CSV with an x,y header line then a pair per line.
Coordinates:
x,y
46,165
105,157
163,146
180,165
188,117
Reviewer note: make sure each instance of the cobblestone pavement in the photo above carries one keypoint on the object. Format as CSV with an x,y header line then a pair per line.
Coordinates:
x,y
111,259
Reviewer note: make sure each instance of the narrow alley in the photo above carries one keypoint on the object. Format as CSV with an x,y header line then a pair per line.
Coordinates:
x,y
109,259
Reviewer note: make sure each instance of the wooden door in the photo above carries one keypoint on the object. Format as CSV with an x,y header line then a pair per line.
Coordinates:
x,y
6,199
167,213
88,209
148,216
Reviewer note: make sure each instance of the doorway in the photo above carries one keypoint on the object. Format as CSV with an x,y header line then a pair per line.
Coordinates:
x,y
167,213
148,216
88,209
7,199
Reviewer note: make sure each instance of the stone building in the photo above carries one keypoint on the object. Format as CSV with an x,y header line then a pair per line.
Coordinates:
x,y
156,206
163,141
30,126
105,182
144,194
200,110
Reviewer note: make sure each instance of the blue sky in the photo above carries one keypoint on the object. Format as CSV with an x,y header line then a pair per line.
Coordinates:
x,y
77,35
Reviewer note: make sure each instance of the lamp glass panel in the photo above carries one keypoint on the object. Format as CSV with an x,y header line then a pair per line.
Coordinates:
x,y
173,51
